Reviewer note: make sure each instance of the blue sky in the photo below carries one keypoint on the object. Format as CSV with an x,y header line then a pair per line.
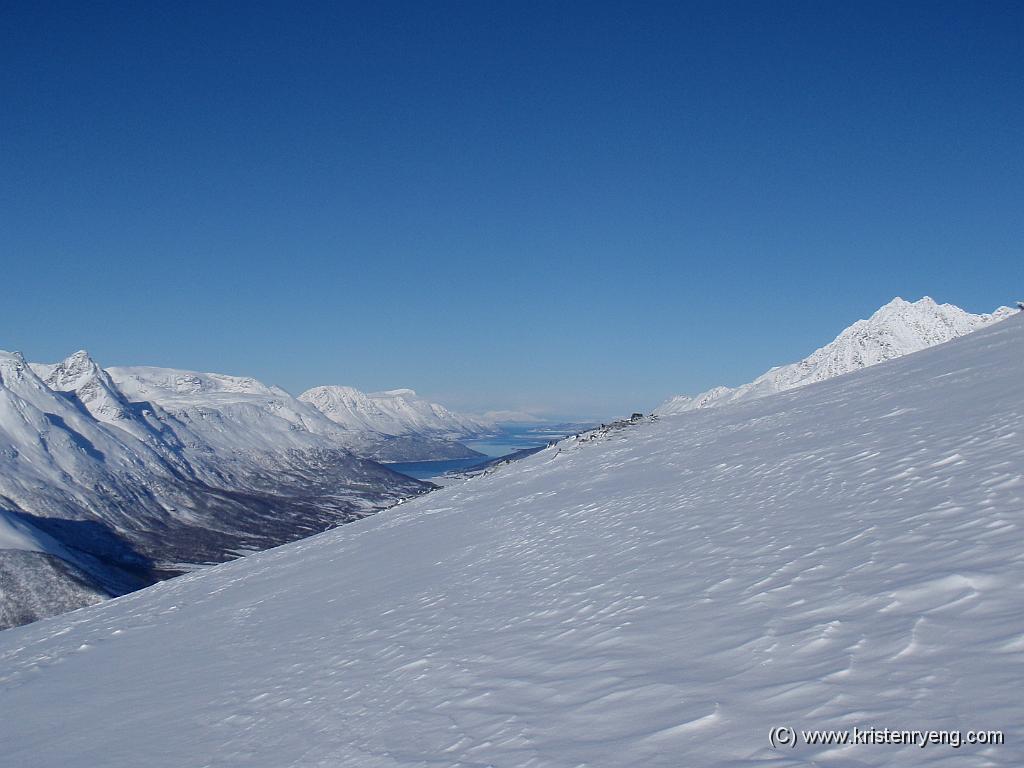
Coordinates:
x,y
579,208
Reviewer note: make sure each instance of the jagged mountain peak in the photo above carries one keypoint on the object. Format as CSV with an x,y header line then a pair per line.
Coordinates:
x,y
73,368
20,376
899,303
82,376
12,364
897,328
80,356
924,310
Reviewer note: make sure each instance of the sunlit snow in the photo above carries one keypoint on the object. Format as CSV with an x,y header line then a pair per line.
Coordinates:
x,y
845,554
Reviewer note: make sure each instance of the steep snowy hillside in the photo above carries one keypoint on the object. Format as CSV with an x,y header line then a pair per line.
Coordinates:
x,y
38,575
843,555
897,329
401,415
132,492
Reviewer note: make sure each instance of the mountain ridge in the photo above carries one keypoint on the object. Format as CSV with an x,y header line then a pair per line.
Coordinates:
x,y
897,328
134,491
392,412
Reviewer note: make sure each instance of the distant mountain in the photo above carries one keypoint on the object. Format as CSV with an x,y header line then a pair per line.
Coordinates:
x,y
394,412
233,411
112,479
91,385
898,328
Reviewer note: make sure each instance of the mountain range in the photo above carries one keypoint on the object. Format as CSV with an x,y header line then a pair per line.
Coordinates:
x,y
395,412
896,329
113,478
658,593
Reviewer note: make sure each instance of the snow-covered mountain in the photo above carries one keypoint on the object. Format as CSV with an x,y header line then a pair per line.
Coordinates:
x,y
90,384
844,555
229,411
395,412
897,329
137,482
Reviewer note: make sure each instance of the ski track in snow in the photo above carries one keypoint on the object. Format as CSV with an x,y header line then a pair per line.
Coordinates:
x,y
848,554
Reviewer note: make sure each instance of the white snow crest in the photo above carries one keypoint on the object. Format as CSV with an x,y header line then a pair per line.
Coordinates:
x,y
896,329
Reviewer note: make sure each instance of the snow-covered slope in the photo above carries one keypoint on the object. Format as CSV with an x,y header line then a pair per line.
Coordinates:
x,y
843,555
65,477
35,585
395,412
38,575
897,329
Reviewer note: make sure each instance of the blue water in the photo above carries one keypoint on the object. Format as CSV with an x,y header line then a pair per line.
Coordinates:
x,y
509,441
424,470
514,439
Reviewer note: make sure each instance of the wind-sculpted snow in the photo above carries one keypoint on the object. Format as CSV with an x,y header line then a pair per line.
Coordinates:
x,y
897,329
846,554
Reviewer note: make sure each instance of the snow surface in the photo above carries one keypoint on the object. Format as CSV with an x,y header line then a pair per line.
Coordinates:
x,y
845,554
898,328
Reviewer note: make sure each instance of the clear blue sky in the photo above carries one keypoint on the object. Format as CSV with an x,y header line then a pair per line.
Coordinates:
x,y
574,207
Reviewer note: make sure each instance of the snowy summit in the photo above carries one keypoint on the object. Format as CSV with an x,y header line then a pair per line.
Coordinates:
x,y
897,329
